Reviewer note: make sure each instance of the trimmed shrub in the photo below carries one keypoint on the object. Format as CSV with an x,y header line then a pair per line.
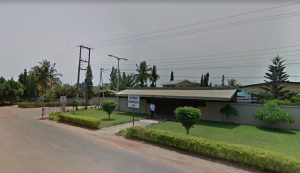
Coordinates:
x,y
37,104
80,120
54,116
74,103
296,99
109,106
279,102
241,154
228,110
188,116
271,113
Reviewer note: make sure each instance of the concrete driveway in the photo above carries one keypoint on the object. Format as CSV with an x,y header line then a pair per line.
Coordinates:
x,y
29,145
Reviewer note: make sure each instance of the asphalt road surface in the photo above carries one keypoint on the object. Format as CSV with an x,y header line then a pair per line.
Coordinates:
x,y
30,145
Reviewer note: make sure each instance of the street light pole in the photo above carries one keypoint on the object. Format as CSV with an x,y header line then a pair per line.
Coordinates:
x,y
118,80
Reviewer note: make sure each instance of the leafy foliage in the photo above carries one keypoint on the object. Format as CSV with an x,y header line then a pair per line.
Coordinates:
x,y
54,116
228,110
46,76
188,116
275,77
10,90
113,78
271,113
296,99
143,73
88,82
127,81
106,93
204,82
172,76
232,83
279,102
154,76
109,106
74,103
241,154
80,120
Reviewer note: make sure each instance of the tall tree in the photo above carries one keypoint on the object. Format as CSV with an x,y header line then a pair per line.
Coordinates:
x,y
223,81
47,76
23,79
201,81
172,76
232,83
88,83
154,76
205,80
143,73
31,87
127,81
10,90
275,76
113,78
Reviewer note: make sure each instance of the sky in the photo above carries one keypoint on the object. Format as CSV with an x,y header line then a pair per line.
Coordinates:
x,y
235,39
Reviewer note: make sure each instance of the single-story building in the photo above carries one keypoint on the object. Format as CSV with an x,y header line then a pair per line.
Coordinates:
x,y
178,84
167,100
257,88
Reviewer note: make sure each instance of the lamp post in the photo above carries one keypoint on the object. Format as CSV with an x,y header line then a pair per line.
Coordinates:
x,y
118,80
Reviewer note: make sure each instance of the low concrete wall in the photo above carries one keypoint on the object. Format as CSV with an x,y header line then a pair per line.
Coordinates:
x,y
246,111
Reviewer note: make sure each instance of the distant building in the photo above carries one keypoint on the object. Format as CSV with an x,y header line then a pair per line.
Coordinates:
x,y
257,88
178,84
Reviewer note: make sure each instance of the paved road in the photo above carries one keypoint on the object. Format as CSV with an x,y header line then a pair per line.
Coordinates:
x,y
29,145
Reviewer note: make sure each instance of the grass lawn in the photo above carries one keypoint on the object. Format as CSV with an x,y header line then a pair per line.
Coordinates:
x,y
116,117
287,142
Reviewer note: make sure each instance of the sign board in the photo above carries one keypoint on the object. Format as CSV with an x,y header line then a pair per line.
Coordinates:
x,y
63,99
134,102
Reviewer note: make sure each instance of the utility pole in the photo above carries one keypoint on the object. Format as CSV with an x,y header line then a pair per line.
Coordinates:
x,y
100,85
81,60
118,77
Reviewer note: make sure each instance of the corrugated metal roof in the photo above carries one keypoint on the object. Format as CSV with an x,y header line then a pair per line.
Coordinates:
x,y
207,94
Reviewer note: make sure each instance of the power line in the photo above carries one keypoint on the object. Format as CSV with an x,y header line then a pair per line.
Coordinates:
x,y
219,77
198,23
214,60
203,29
216,67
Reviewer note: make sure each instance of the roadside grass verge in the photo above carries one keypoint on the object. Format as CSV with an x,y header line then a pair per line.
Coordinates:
x,y
116,117
240,154
282,141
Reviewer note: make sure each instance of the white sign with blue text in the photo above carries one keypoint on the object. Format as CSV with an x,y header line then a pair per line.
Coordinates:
x,y
134,101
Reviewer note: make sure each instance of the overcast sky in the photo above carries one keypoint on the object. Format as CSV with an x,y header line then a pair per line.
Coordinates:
x,y
238,47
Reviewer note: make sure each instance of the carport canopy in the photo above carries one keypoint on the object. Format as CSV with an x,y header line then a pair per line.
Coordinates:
x,y
199,94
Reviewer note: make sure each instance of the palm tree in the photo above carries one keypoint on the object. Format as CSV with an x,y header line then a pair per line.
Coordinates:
x,y
143,74
127,81
154,76
47,75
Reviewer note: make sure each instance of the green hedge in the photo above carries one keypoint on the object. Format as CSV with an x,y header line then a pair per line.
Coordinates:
x,y
37,104
88,122
43,104
241,154
54,116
